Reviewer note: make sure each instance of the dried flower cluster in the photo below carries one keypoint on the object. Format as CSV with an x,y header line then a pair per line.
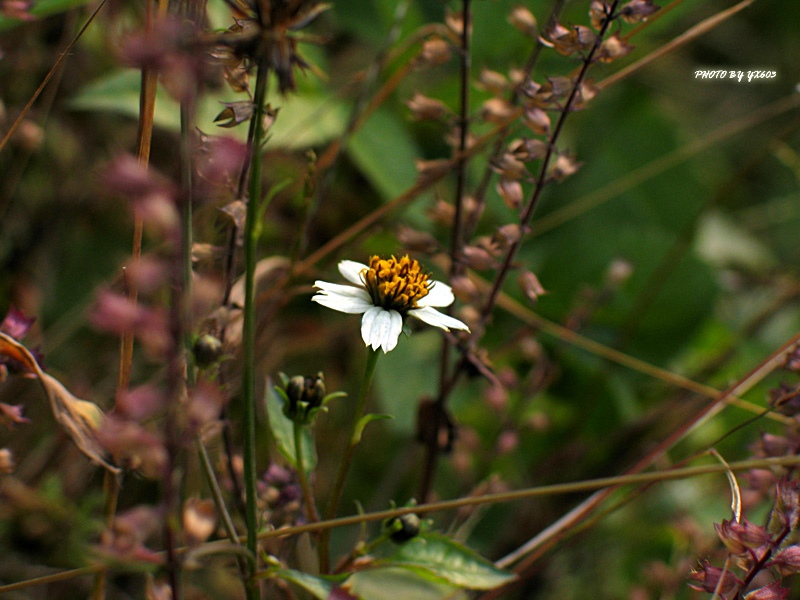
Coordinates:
x,y
763,555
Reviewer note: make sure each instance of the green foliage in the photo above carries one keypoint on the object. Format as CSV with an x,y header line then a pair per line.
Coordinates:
x,y
318,587
282,429
385,153
40,9
433,554
388,583
305,120
673,244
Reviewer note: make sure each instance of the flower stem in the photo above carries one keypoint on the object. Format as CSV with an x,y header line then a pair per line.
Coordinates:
x,y
255,138
308,497
344,466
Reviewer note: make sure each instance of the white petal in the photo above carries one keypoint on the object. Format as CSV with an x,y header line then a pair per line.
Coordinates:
x,y
337,289
380,328
353,306
344,298
351,270
431,316
439,294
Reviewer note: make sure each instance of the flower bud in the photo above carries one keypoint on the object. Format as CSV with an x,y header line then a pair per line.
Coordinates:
x,y
738,537
304,395
207,351
708,579
402,528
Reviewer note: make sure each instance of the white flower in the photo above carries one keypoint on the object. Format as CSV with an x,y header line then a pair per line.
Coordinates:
x,y
385,291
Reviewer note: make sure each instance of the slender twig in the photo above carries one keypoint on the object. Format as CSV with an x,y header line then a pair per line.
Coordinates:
x,y
529,553
53,70
541,180
176,365
456,239
456,245
602,483
569,336
483,187
216,491
525,219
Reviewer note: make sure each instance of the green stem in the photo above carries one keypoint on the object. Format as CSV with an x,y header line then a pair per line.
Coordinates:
x,y
344,466
308,497
256,137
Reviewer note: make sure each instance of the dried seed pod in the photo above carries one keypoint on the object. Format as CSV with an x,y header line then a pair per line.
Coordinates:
x,y
637,10
507,235
510,191
612,48
427,109
478,258
434,52
563,166
497,110
492,81
530,285
537,120
523,20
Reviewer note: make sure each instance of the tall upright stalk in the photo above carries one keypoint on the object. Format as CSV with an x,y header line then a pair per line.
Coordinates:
x,y
255,137
456,245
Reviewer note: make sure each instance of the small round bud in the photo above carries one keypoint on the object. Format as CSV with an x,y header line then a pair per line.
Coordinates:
x,y
207,351
304,394
403,528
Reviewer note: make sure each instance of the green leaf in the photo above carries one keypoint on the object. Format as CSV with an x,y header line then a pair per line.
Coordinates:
x,y
442,557
283,432
391,583
118,93
363,422
42,8
302,121
316,586
385,152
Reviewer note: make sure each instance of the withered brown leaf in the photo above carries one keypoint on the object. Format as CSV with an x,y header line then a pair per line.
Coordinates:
x,y
80,419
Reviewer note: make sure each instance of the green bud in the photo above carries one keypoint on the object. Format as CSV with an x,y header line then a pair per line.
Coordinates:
x,y
304,395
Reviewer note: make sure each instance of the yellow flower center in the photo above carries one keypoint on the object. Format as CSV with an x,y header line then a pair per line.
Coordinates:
x,y
396,284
